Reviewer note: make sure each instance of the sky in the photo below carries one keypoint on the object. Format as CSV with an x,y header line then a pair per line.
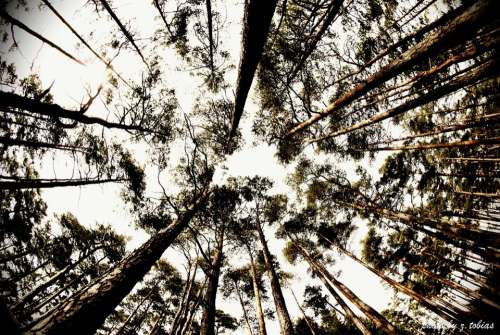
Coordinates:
x,y
93,204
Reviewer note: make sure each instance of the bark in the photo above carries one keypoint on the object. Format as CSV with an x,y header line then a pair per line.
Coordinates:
x,y
306,318
66,23
455,32
13,100
374,316
22,26
256,23
87,310
124,30
256,292
245,315
36,184
207,326
286,325
489,69
480,194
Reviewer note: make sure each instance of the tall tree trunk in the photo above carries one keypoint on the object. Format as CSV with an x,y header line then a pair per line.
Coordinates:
x,y
124,30
66,23
192,311
464,26
447,145
256,292
348,311
87,310
256,23
286,325
122,328
245,315
428,303
374,316
306,318
333,11
12,100
186,298
208,4
157,327
33,33
9,141
42,286
36,184
489,69
207,326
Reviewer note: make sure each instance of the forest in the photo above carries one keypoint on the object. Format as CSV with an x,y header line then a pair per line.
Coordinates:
x,y
258,167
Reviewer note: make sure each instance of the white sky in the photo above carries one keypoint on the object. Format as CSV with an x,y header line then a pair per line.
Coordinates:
x,y
102,204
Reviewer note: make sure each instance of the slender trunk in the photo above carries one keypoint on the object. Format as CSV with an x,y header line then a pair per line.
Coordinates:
x,y
134,312
37,184
306,319
256,23
124,30
447,145
33,33
8,141
428,303
184,305
88,309
157,327
28,273
12,257
208,4
480,194
379,320
245,315
207,326
42,286
12,100
348,311
192,311
488,69
66,23
333,11
256,292
462,27
286,325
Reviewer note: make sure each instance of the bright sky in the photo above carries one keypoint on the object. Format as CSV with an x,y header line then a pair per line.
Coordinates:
x,y
102,204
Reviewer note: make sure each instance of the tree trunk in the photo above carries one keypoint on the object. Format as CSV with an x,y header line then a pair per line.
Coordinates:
x,y
132,315
306,319
9,322
447,145
66,23
36,184
245,315
184,305
123,29
256,292
12,100
489,69
256,23
348,311
8,141
374,316
87,310
464,26
192,311
208,4
39,288
21,25
207,326
286,325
